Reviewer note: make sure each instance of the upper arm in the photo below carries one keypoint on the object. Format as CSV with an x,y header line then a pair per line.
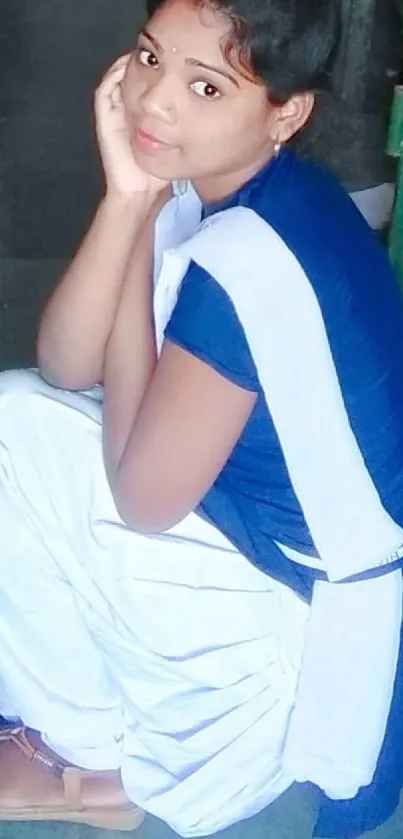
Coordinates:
x,y
187,427
199,400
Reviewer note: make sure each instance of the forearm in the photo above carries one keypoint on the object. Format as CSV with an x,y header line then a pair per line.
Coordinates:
x,y
80,315
130,357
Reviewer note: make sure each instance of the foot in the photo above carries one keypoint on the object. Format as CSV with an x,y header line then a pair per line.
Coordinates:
x,y
35,784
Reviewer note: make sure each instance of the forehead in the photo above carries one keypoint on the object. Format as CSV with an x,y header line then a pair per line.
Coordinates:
x,y
191,29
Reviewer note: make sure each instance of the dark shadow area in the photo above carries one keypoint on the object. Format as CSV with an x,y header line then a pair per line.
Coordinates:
x,y
52,54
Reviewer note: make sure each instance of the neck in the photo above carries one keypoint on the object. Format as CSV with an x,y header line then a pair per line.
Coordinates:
x,y
212,189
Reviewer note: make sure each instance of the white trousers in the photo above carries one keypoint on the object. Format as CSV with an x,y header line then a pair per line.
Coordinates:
x,y
168,657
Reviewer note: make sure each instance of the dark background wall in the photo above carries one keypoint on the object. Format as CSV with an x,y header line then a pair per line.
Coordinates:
x,y
348,131
52,54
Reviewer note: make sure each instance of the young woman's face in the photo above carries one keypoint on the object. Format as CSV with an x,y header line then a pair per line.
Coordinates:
x,y
191,115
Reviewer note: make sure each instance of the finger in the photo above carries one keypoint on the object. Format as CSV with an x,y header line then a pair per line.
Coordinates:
x,y
123,59
118,66
116,96
108,88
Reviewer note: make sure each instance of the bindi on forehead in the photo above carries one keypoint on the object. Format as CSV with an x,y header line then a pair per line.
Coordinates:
x,y
181,21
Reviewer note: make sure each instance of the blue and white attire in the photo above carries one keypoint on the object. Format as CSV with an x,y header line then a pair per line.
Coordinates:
x,y
257,642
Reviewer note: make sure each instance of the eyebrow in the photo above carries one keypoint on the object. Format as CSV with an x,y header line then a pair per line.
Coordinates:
x,y
194,62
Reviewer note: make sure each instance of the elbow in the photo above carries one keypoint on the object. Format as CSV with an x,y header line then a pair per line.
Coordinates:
x,y
58,374
49,373
49,369
51,376
143,516
52,365
137,520
57,379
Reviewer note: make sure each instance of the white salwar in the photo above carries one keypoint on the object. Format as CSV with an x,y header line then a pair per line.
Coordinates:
x,y
170,657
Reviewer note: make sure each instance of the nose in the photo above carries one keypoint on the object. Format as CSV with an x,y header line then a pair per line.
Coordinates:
x,y
158,99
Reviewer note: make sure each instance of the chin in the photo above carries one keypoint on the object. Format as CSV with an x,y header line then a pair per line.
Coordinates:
x,y
164,166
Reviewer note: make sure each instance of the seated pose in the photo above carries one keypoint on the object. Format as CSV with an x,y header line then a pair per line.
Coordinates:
x,y
201,488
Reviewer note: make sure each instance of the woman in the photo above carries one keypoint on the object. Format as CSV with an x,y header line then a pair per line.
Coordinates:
x,y
195,469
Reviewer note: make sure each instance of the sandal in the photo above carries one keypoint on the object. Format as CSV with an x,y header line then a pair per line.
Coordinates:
x,y
35,785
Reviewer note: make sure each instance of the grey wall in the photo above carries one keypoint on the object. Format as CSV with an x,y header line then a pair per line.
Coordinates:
x,y
52,53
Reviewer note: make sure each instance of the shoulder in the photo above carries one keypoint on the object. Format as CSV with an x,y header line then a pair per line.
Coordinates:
x,y
205,323
236,243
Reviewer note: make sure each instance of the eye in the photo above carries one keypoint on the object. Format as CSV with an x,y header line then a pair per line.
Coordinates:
x,y
206,90
146,57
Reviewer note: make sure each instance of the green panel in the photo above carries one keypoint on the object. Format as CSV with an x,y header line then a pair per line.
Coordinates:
x,y
395,139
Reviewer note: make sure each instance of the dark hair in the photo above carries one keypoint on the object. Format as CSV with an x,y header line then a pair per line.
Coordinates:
x,y
289,44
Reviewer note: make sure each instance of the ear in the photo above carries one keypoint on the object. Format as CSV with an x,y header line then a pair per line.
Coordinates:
x,y
291,116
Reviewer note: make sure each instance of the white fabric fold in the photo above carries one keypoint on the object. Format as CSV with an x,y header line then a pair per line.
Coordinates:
x,y
346,684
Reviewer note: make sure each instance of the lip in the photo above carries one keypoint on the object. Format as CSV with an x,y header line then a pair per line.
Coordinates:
x,y
148,142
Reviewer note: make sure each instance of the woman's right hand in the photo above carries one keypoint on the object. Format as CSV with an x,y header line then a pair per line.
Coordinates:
x,y
123,175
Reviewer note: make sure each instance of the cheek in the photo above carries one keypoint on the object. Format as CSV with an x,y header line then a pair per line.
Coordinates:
x,y
218,130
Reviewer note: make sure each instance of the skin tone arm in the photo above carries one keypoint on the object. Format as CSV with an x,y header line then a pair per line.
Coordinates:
x,y
182,435
79,318
169,424
131,357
